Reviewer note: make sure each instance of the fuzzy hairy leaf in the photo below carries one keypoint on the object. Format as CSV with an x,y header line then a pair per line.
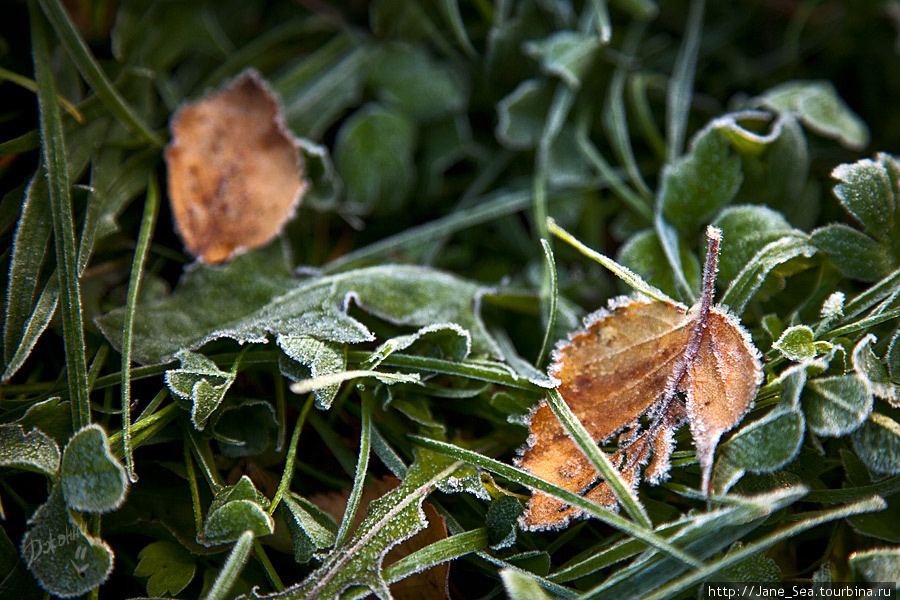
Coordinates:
x,y
320,358
700,183
311,529
879,565
866,191
91,478
392,518
66,561
877,443
234,510
837,405
247,429
255,295
33,451
817,105
201,383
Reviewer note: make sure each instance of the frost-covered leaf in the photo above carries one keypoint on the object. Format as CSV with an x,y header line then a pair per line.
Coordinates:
x,y
65,560
765,263
320,358
374,155
91,478
797,343
872,371
440,340
169,568
392,518
817,105
854,253
836,405
234,510
255,295
312,530
877,443
201,383
501,521
866,191
631,360
324,187
235,172
422,87
33,451
52,416
768,443
879,565
246,429
464,479
748,229
565,54
699,184
522,586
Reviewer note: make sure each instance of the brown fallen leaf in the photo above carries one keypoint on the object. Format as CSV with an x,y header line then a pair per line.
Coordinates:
x,y
642,359
235,171
427,585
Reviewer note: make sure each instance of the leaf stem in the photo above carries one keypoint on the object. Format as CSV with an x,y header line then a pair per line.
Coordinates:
x,y
232,568
291,455
362,465
552,293
137,266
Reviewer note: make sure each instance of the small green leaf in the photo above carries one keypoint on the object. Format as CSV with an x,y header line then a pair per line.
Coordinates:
x,y
818,106
321,358
854,253
797,343
866,191
32,451
52,416
699,184
246,430
837,405
311,529
565,54
501,520
746,229
325,187
234,510
420,86
877,443
521,115
374,155
169,567
65,560
447,341
879,565
769,443
91,478
872,371
522,586
201,383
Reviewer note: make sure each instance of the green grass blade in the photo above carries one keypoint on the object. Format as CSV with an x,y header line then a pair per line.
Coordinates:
x,y
623,273
677,586
30,84
35,327
61,214
527,479
362,466
232,568
151,209
678,99
624,494
93,73
551,309
285,483
439,552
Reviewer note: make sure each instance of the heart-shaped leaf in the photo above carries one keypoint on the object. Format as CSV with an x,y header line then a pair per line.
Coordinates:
x,y
234,510
65,560
91,478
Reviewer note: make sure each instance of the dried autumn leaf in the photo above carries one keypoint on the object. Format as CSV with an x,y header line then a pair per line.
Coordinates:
x,y
641,358
235,172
